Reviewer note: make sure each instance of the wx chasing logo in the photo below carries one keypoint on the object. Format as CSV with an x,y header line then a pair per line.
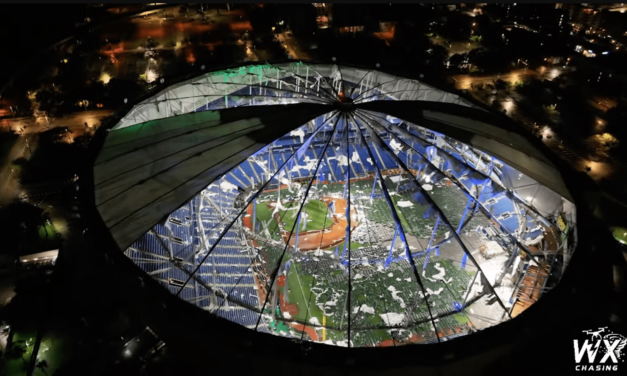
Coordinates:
x,y
604,350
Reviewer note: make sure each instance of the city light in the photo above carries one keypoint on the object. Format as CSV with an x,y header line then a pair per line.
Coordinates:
x,y
151,75
104,78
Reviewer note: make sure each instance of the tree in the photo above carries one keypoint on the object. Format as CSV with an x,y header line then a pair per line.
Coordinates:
x,y
408,36
53,135
177,66
577,113
228,54
458,59
490,60
55,103
47,100
456,28
617,124
42,365
537,91
271,47
437,55
17,351
118,89
497,105
95,92
490,32
19,224
501,85
302,19
262,18
23,106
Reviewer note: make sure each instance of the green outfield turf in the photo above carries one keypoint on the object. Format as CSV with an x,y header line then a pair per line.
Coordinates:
x,y
400,213
264,213
412,218
300,292
316,211
374,292
353,245
451,200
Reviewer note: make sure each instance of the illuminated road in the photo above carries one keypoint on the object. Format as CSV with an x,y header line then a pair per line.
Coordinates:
x,y
176,34
463,81
292,47
75,122
9,186
455,47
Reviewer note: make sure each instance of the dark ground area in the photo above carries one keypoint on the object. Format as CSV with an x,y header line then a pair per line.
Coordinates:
x,y
23,34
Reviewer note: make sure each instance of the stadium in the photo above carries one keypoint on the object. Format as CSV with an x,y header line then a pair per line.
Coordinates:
x,y
334,204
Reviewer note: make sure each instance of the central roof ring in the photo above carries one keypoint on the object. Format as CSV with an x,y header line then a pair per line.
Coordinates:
x,y
344,103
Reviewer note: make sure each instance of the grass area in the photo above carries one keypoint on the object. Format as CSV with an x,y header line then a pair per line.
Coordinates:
x,y
300,293
47,232
7,139
48,238
620,234
26,340
401,216
335,335
17,169
462,319
379,335
279,326
353,245
315,209
413,218
264,214
451,200
55,350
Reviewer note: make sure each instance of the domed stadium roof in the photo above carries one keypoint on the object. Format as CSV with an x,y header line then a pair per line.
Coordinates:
x,y
335,204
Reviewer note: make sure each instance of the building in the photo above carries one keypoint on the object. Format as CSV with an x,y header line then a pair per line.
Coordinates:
x,y
582,17
353,18
39,259
232,188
